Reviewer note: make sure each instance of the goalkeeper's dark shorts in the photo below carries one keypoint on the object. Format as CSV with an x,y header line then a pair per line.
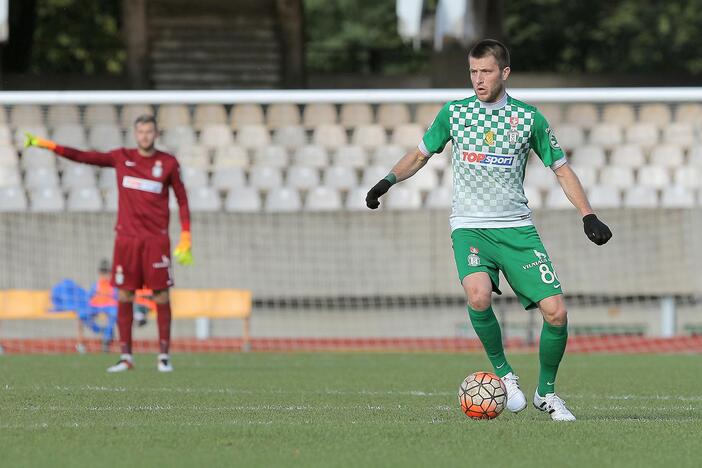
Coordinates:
x,y
142,262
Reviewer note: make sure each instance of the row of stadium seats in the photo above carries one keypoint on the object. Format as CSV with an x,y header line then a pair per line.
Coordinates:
x,y
350,115
323,198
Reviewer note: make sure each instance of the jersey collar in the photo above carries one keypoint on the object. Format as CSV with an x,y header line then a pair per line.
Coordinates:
x,y
499,104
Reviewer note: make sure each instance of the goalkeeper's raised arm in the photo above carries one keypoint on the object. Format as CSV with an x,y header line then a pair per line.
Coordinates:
x,y
88,157
404,169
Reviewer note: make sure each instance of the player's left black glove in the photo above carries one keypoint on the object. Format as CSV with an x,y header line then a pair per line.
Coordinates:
x,y
596,230
376,192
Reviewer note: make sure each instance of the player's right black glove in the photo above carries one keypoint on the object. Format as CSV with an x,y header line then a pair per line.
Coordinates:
x,y
376,192
596,230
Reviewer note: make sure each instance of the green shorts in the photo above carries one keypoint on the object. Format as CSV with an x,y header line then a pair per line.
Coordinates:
x,y
517,252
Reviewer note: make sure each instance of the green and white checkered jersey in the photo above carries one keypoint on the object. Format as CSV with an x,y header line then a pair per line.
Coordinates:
x,y
491,144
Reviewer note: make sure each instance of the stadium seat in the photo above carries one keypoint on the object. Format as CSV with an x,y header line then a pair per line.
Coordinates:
x,y
204,198
403,198
372,174
640,197
618,114
99,114
265,177
556,199
424,180
130,112
689,113
283,199
38,177
533,196
447,177
290,136
679,133
177,136
12,199
439,198
606,135
688,176
340,177
282,115
387,155
78,176
439,162
581,115
10,177
193,177
252,136
27,115
105,137
369,136
5,134
302,177
677,196
228,178
111,199
107,178
656,177
539,176
71,135
355,114
586,174
426,113
172,115
323,199
209,114
569,136
694,157
84,199
37,157
246,114
589,155
667,156
62,114
604,196
391,115
619,177
642,134
19,136
193,156
407,135
628,156
656,114
216,135
311,155
315,114
552,112
271,155
242,199
8,156
350,156
329,136
46,199
232,155
356,199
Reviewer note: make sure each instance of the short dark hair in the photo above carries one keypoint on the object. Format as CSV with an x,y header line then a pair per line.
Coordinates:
x,y
491,47
144,119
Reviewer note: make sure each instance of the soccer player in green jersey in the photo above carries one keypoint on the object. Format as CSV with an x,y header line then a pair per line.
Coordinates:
x,y
491,226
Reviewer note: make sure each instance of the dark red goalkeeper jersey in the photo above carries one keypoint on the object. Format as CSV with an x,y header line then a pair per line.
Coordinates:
x,y
142,184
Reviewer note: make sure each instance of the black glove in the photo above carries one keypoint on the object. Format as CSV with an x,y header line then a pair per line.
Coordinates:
x,y
596,230
376,192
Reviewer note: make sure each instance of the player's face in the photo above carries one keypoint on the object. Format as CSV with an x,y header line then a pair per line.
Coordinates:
x,y
145,134
487,78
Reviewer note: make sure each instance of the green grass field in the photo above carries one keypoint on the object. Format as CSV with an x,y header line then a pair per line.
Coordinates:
x,y
341,409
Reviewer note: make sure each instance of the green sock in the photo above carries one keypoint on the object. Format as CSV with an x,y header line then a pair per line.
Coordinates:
x,y
488,330
551,349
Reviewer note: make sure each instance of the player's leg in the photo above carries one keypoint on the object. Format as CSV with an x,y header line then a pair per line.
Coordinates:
x,y
125,298
163,318
158,276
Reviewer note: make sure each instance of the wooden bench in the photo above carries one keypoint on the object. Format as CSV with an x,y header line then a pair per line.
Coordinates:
x,y
23,304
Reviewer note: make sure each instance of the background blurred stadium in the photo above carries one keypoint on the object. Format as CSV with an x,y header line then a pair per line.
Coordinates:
x,y
277,179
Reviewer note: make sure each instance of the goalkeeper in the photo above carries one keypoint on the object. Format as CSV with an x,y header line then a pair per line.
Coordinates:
x,y
492,135
141,256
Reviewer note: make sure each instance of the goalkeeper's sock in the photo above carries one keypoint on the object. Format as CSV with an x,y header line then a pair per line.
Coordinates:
x,y
125,317
551,349
488,330
163,318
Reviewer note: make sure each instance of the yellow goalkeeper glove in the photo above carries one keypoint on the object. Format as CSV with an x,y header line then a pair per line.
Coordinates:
x,y
32,140
182,252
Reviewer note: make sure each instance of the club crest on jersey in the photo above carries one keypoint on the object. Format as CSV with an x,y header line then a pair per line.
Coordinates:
x,y
513,120
473,259
489,138
552,139
512,137
157,170
487,159
473,250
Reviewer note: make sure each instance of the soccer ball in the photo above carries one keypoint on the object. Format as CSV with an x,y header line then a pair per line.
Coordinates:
x,y
482,395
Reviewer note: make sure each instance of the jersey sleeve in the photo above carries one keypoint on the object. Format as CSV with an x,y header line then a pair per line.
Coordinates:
x,y
544,143
438,134
94,158
181,197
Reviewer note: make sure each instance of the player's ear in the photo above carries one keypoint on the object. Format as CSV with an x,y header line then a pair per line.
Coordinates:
x,y
505,73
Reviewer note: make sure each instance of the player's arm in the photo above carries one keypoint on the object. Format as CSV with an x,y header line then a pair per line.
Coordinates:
x,y
88,157
182,252
543,141
433,141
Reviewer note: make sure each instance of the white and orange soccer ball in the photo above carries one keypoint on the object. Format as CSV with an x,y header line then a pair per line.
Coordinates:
x,y
482,395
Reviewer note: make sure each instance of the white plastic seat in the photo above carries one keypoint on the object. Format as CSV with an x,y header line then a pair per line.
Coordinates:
x,y
679,133
105,137
252,136
329,136
8,157
38,177
246,114
302,177
387,155
340,177
111,199
403,198
193,156
228,178
407,135
694,157
619,177
439,198
209,114
243,199
323,199
231,156
656,113
282,114
283,199
689,112
582,115
355,114
369,136
677,196
265,177
10,177
688,177
37,157
24,115
656,177
272,156
423,180
71,135
216,135
628,156
319,113
5,134
534,198
642,134
539,176
107,178
173,115
426,113
586,174
290,136
391,115
193,177
640,197
667,156
99,114
589,155
552,112
84,199
607,136
438,162
179,135
62,114
372,174
604,196
569,136
78,176
556,199
131,112
618,114
356,199
13,199
311,155
204,198
46,199
350,156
